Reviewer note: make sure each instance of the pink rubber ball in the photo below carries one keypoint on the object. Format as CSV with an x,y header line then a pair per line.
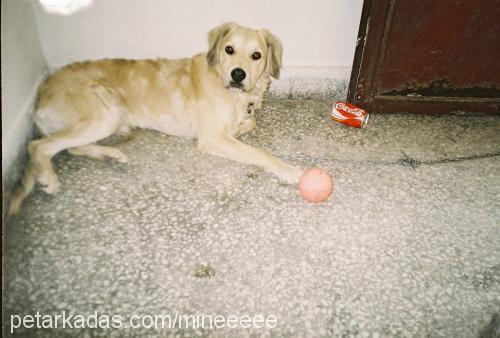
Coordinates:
x,y
315,185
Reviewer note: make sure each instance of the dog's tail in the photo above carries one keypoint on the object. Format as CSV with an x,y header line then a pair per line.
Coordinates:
x,y
23,190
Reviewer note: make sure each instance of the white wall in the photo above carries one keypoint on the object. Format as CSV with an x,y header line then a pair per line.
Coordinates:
x,y
315,33
23,67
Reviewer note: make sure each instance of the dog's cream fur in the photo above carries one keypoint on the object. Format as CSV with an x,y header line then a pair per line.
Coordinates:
x,y
86,102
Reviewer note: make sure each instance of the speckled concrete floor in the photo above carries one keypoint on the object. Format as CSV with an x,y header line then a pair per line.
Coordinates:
x,y
407,246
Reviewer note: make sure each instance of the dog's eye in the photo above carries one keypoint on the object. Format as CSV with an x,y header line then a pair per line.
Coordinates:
x,y
256,56
229,50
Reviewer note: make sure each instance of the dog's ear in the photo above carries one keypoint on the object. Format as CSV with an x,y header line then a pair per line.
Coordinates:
x,y
215,37
274,53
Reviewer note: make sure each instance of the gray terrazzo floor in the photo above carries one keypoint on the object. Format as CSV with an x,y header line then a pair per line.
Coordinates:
x,y
407,246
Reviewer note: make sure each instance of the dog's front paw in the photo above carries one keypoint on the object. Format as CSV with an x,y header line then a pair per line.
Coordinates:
x,y
119,157
290,174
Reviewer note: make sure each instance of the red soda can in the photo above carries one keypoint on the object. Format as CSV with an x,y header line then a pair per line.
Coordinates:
x,y
349,114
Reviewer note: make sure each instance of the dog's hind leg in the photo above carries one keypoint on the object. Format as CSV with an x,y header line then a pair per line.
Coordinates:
x,y
80,134
41,152
103,122
99,152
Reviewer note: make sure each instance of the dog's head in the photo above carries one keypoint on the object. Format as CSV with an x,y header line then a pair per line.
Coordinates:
x,y
242,55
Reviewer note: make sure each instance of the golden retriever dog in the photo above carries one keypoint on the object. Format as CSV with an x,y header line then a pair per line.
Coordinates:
x,y
211,97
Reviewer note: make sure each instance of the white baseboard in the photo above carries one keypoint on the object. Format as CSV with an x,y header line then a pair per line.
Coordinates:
x,y
16,135
318,82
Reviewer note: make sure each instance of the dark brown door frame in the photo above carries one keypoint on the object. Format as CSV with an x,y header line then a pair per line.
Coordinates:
x,y
370,47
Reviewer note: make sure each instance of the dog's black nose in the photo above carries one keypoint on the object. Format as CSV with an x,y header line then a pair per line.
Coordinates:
x,y
238,74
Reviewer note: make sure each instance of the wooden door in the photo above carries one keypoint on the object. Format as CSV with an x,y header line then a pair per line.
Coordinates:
x,y
428,56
